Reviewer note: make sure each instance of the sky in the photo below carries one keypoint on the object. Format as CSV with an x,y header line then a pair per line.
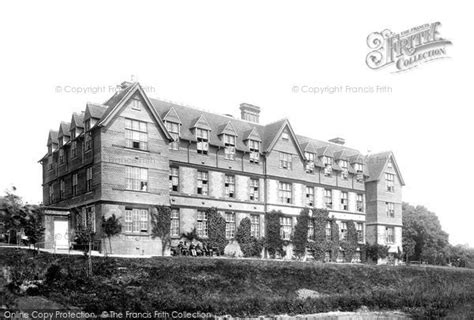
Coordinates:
x,y
56,56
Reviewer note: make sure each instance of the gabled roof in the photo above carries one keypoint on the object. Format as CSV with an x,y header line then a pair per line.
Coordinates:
x,y
341,155
172,116
325,151
376,164
77,120
273,132
52,137
201,123
227,128
308,147
252,134
64,129
121,97
357,158
95,111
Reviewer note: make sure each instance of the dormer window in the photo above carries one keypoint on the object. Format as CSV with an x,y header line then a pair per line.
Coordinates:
x,y
229,143
87,125
345,169
202,137
309,161
359,167
327,162
173,129
136,136
73,149
390,164
61,141
73,134
61,156
254,147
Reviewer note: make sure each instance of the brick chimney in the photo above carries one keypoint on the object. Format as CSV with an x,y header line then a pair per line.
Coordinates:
x,y
249,112
338,140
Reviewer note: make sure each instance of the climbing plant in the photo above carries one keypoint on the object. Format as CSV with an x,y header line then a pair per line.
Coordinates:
x,y
320,244
300,237
273,241
333,244
349,244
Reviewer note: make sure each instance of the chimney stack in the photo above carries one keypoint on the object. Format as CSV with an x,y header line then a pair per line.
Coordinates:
x,y
338,140
249,112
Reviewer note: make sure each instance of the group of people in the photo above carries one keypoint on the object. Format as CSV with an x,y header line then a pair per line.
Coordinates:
x,y
183,249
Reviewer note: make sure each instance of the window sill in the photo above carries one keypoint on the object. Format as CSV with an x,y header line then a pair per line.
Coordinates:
x,y
137,234
123,189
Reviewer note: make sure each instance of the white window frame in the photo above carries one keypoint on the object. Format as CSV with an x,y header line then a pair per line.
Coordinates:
x,y
286,227
136,178
286,161
136,134
174,179
229,185
344,200
309,196
174,130
230,225
328,198
202,137
285,192
175,222
254,147
201,224
229,146
254,189
255,225
202,183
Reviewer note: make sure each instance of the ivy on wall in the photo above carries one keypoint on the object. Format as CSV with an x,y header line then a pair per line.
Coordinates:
x,y
320,245
333,244
216,230
273,241
349,244
300,237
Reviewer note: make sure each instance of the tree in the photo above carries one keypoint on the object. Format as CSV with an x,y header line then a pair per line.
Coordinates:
x,y
320,244
349,244
423,237
300,237
216,230
161,223
273,241
250,246
111,227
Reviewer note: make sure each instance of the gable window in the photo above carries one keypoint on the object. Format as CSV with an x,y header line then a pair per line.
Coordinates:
x,y
360,232
61,156
310,196
74,184
309,162
87,135
51,193
202,137
73,134
345,169
74,149
201,227
89,179
136,136
360,203
229,225
389,181
173,129
286,160
390,209
88,218
229,186
344,201
390,164
174,179
328,198
310,229
285,228
390,235
174,226
136,179
253,194
255,226
202,183
136,220
136,104
343,231
285,192
254,147
359,167
229,143
328,231
50,162
285,135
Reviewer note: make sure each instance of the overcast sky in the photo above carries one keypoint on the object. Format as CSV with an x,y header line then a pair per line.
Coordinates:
x,y
215,55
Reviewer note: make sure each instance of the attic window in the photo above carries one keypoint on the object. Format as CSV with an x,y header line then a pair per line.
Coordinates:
x,y
328,162
173,129
229,143
309,162
285,135
345,169
390,164
202,137
136,104
254,147
359,167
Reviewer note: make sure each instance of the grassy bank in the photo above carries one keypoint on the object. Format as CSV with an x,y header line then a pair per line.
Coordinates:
x,y
240,287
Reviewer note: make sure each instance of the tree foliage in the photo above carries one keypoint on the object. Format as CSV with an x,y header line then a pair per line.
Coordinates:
x,y
216,230
300,237
250,246
111,227
273,241
349,244
161,222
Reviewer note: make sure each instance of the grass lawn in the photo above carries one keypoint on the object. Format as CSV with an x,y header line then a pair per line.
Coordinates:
x,y
241,287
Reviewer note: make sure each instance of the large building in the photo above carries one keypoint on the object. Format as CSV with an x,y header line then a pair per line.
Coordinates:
x,y
132,153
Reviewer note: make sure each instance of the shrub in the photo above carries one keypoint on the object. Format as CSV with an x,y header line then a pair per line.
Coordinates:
x,y
273,241
111,227
250,246
376,251
350,243
320,245
216,230
161,221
